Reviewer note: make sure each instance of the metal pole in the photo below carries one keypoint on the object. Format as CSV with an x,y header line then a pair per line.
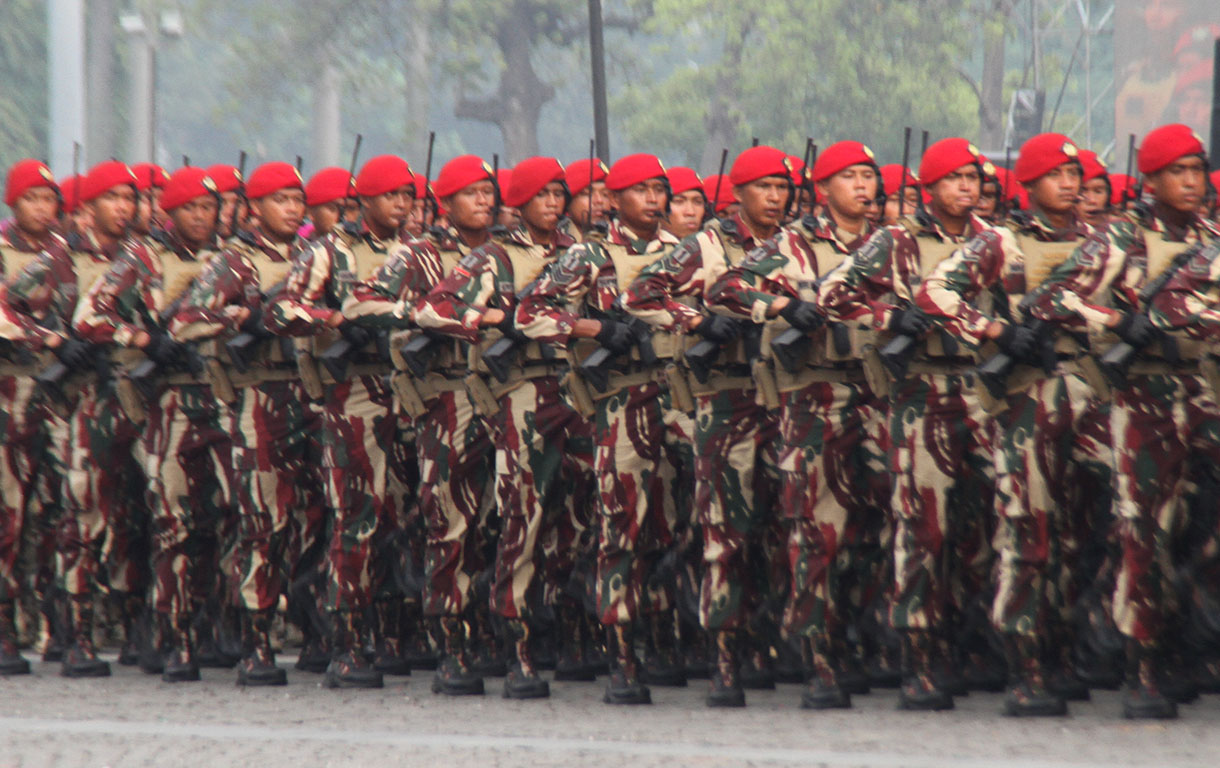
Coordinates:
x,y
1215,138
597,53
142,85
66,81
1088,71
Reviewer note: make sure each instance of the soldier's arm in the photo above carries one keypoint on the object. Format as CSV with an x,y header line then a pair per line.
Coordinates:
x,y
108,313
545,311
457,303
385,300
681,272
46,287
1074,293
750,289
948,295
211,304
18,327
1189,302
300,310
854,291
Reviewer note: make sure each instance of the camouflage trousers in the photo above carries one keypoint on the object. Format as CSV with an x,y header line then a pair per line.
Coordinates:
x,y
942,498
187,445
834,493
104,533
32,438
736,452
1053,434
543,482
277,488
644,461
455,495
1160,425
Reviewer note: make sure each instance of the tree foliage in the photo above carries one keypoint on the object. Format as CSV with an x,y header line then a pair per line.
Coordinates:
x,y
23,71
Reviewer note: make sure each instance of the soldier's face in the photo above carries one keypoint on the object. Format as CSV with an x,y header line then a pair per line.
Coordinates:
x,y
642,206
280,213
470,207
388,211
989,200
594,198
325,217
850,191
195,220
113,211
1180,185
686,213
509,218
908,207
543,210
957,193
35,211
1094,198
762,200
1057,190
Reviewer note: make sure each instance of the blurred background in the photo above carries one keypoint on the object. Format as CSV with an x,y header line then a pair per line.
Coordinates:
x,y
159,79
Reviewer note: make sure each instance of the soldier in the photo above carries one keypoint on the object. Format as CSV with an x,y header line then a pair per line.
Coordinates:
x,y
330,202
991,208
1094,206
277,493
643,441
506,215
736,437
543,449
826,417
1166,412
233,207
892,179
453,443
588,205
976,294
719,194
186,438
941,489
29,464
1124,192
687,203
360,419
150,183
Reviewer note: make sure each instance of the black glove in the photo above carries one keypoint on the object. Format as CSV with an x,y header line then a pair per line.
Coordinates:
x,y
1136,329
254,324
356,335
717,328
1018,341
615,336
508,327
164,350
910,322
802,315
74,353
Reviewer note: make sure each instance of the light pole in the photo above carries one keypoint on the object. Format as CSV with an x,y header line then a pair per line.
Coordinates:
x,y
66,81
145,37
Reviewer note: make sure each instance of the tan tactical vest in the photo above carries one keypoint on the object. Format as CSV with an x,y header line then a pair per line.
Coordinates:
x,y
89,270
366,260
15,261
628,266
1042,257
177,274
528,263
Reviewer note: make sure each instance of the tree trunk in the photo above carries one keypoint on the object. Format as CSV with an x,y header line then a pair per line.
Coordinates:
x,y
419,78
991,88
723,122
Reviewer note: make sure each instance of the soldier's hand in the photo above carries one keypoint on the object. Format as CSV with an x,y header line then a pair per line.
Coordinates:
x,y
253,322
508,327
717,328
910,322
802,315
357,335
1135,329
615,336
163,349
1018,341
73,353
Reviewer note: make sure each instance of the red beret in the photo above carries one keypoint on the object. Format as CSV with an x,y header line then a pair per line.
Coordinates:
x,y
725,197
757,163
577,174
529,177
503,177
800,174
328,185
382,174
459,173
1042,154
70,190
149,175
633,169
891,178
1092,165
272,177
186,184
683,179
420,185
227,177
1166,144
26,175
944,157
103,177
1121,183
840,155
1215,177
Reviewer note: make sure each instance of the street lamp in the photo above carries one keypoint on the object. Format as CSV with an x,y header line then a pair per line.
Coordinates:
x,y
145,38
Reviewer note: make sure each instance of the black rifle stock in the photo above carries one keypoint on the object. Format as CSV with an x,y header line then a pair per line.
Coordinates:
x,y
596,367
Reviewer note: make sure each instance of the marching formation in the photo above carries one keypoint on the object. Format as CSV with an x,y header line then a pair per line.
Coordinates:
x,y
810,420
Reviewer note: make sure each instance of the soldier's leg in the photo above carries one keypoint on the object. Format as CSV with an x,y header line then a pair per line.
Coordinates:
x,y
11,519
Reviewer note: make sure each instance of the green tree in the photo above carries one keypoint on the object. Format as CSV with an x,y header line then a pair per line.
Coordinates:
x,y
23,70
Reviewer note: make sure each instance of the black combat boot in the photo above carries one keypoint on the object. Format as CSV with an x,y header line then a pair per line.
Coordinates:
x,y
695,646
131,614
571,664
945,669
1028,695
11,660
80,660
210,651
54,628
486,647
825,691
755,669
388,658
523,680
624,686
454,676
919,690
726,690
847,666
257,667
316,650
663,666
1061,680
1142,695
417,646
154,642
180,664
348,667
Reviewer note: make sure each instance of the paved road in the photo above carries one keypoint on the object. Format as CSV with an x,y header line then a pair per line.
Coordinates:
x,y
135,720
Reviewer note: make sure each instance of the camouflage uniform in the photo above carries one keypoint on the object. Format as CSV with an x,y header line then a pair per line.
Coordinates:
x,y
940,443
834,480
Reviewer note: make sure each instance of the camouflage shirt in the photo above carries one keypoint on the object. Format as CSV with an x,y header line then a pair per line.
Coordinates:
x,y
38,287
387,298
